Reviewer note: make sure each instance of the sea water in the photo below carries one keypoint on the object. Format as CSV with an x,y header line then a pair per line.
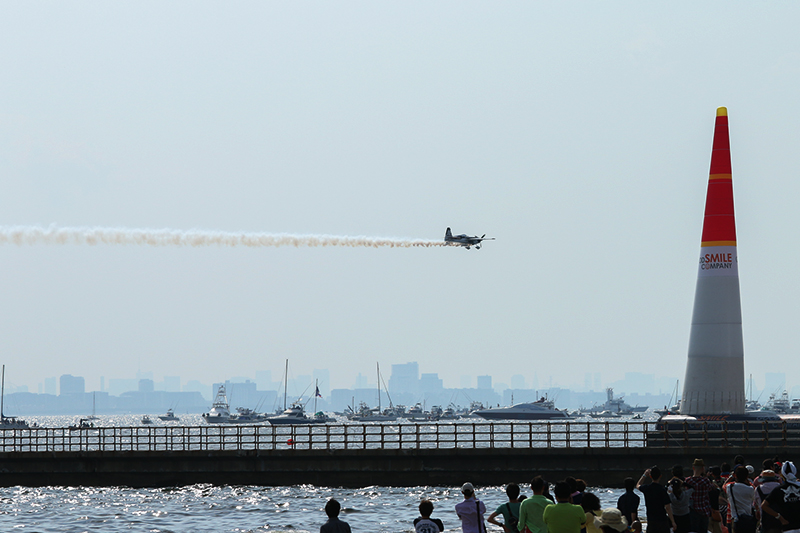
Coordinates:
x,y
206,508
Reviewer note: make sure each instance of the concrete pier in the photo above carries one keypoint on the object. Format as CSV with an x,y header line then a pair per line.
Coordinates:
x,y
606,467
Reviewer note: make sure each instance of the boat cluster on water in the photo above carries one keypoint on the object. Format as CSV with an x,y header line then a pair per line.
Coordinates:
x,y
613,408
295,413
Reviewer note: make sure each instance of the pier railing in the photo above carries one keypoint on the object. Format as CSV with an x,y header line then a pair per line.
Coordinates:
x,y
328,437
478,435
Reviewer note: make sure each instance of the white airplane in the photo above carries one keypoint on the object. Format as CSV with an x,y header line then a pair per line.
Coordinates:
x,y
465,240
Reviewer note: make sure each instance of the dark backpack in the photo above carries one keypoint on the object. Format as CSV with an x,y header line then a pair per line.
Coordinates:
x,y
513,521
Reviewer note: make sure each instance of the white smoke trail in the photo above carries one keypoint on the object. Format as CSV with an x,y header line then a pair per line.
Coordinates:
x,y
21,235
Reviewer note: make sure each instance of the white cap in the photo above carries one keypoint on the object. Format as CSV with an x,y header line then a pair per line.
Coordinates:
x,y
467,487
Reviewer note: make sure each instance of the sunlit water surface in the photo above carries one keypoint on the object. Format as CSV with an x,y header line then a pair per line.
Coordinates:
x,y
205,508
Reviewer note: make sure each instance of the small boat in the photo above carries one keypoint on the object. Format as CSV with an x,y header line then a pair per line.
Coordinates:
x,y
449,413
637,416
322,418
417,413
437,413
247,416
83,423
220,410
542,409
146,420
471,411
615,405
9,422
169,417
295,414
365,413
605,414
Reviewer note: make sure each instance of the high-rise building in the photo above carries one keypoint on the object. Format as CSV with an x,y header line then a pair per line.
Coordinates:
x,y
172,383
404,378
430,383
69,384
484,382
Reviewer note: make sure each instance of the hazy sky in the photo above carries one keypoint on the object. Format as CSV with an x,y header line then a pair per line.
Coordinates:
x,y
576,133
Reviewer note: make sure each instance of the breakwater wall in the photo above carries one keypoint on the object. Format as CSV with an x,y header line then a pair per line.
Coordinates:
x,y
357,468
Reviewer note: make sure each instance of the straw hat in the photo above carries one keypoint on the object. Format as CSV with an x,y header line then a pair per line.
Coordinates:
x,y
612,518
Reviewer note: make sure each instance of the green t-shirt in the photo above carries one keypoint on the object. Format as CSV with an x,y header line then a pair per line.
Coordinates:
x,y
530,513
504,510
564,518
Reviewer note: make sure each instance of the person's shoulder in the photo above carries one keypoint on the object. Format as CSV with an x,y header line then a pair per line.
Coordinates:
x,y
775,493
438,523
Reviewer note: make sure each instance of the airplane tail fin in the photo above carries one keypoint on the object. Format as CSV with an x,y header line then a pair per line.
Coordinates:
x,y
448,235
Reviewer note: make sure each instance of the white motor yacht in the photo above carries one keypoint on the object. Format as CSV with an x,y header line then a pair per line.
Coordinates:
x,y
220,410
542,409
295,414
169,417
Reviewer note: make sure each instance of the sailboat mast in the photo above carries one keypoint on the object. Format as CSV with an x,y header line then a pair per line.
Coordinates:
x,y
316,388
379,386
285,383
2,392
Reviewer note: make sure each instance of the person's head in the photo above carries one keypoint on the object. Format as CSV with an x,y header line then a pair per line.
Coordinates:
x,y
562,491
677,471
332,508
738,460
590,502
467,490
630,483
768,475
789,471
580,485
677,487
725,467
572,482
740,474
611,521
767,464
537,485
512,490
698,467
715,472
655,473
425,508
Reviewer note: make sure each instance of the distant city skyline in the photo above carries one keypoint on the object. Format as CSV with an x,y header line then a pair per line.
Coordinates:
x,y
405,377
